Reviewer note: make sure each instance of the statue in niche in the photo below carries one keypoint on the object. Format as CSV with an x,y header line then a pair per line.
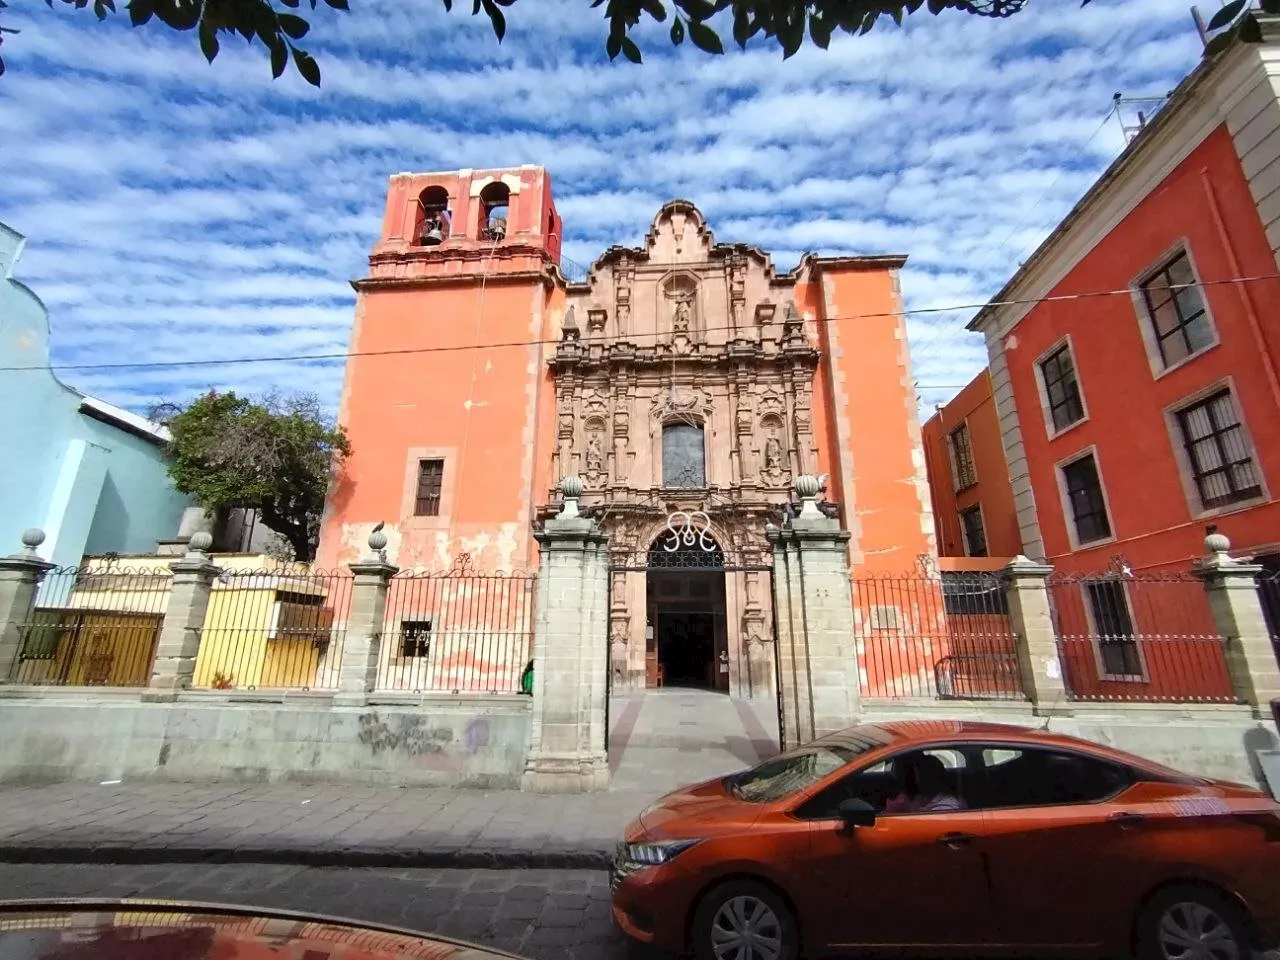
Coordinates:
x,y
595,452
682,316
773,453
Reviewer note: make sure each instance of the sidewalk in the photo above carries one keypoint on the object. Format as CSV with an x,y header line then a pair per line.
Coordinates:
x,y
658,742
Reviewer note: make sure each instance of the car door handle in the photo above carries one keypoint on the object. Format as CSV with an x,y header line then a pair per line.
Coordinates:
x,y
956,840
1127,820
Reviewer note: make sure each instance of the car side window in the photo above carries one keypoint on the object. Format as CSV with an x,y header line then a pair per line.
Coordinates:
x,y
932,780
1016,776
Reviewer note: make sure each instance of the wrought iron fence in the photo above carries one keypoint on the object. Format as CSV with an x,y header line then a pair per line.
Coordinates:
x,y
94,625
930,634
1138,637
457,631
274,629
1269,597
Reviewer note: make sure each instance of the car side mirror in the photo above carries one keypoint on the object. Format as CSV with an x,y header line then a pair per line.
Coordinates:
x,y
856,813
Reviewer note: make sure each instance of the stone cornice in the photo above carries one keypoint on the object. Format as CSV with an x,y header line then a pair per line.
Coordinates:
x,y
545,277
580,357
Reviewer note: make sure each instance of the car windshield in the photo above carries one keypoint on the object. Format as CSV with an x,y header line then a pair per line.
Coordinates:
x,y
798,769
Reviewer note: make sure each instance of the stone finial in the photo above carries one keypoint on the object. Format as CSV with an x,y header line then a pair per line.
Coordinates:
x,y
200,542
377,539
1217,544
807,488
571,489
31,539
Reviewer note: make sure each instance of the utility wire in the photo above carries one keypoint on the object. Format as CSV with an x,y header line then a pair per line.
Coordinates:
x,y
602,338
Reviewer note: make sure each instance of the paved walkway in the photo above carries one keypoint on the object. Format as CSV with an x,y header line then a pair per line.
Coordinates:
x,y
659,741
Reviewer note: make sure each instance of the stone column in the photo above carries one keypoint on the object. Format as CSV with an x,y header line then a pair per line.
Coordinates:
x,y
179,644
1232,590
20,576
1036,643
570,654
818,675
362,647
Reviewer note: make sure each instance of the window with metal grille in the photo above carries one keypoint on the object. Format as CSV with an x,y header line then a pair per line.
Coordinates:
x,y
1221,461
1084,494
1061,388
962,457
430,478
683,456
975,538
1176,311
415,638
973,594
1117,644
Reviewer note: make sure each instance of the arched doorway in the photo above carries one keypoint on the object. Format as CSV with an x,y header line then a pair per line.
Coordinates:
x,y
686,637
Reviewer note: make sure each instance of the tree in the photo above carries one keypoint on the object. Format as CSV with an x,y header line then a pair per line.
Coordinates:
x,y
788,22
273,455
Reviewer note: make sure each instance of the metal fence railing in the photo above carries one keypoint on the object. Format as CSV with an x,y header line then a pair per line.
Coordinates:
x,y
1138,637
929,634
457,631
1269,597
95,625
274,629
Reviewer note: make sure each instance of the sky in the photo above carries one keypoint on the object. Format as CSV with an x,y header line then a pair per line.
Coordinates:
x,y
181,211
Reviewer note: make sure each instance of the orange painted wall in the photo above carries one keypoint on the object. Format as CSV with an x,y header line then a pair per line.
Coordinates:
x,y
976,406
1205,202
865,380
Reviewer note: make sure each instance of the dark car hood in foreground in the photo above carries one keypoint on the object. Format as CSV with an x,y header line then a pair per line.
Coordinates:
x,y
158,930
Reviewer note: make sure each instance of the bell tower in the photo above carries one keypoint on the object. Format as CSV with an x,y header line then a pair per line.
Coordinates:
x,y
445,378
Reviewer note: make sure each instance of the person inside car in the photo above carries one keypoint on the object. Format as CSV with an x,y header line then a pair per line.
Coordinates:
x,y
923,787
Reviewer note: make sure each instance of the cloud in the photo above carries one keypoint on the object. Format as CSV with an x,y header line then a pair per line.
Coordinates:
x,y
179,212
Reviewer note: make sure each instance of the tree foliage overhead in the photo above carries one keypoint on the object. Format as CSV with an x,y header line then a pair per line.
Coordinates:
x,y
272,455
278,25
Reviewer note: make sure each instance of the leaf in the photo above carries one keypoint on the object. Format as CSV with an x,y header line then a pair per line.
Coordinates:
x,y
1270,6
704,38
1218,44
338,4
279,59
820,31
496,18
630,50
140,11
295,27
306,66
613,46
677,31
208,40
1249,30
1226,14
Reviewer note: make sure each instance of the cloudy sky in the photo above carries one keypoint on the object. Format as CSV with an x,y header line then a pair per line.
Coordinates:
x,y
177,211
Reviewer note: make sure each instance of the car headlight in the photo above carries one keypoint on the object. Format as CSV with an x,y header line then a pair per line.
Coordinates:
x,y
656,854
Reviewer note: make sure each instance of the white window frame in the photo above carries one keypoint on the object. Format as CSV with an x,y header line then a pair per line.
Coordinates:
x,y
1146,323
1186,471
1096,643
1068,515
982,519
1050,428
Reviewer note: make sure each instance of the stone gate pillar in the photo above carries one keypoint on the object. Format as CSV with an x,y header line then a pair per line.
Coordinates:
x,y
20,576
179,643
362,646
818,681
1039,669
1237,612
570,654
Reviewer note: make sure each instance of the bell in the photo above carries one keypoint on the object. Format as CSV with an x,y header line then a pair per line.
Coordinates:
x,y
498,228
433,237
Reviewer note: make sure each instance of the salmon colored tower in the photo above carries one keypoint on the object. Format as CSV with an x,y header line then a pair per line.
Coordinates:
x,y
444,436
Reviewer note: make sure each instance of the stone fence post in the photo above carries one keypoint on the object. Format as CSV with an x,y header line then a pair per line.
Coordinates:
x,y
179,644
1036,642
362,646
1232,590
20,576
818,678
571,652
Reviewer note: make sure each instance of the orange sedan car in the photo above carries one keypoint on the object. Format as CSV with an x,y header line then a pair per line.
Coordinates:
x,y
941,837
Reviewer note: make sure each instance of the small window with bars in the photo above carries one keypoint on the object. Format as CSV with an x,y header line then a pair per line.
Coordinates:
x,y
430,479
1113,629
1221,460
975,537
962,458
1061,389
415,638
1176,311
1084,497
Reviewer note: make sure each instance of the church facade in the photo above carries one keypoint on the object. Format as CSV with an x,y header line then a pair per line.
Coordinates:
x,y
686,381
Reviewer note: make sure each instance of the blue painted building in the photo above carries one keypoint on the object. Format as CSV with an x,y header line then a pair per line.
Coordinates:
x,y
89,474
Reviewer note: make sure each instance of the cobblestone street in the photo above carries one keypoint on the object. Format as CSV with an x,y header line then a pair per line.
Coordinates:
x,y
561,914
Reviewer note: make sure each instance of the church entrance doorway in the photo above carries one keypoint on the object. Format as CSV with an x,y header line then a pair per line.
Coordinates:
x,y
689,646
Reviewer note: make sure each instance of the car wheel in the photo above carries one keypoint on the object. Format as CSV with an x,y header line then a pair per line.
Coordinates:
x,y
744,920
1192,923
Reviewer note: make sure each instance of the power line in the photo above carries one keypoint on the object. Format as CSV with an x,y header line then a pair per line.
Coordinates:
x,y
306,357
